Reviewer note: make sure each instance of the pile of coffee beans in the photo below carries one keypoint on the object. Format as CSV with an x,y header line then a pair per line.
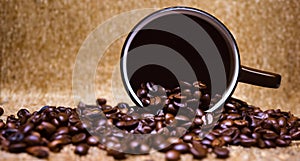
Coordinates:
x,y
168,115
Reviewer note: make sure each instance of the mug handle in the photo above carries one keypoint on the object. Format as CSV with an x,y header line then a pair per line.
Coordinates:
x,y
259,78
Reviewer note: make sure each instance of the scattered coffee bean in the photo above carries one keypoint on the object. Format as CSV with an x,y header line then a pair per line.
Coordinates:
x,y
51,128
92,141
1,111
221,152
38,151
81,149
173,155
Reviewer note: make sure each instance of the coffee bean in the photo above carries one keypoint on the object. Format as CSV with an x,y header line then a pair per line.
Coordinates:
x,y
270,144
240,123
146,101
22,113
56,145
116,154
230,106
92,140
38,151
16,137
206,142
26,128
81,149
255,135
218,142
2,125
210,136
78,138
17,147
221,152
172,155
270,136
181,147
141,93
188,137
281,142
48,127
248,142
205,99
123,107
282,122
101,101
1,111
234,116
227,139
296,135
261,143
226,123
199,84
228,132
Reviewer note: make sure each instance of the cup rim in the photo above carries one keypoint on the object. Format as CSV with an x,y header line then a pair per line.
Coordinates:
x,y
219,26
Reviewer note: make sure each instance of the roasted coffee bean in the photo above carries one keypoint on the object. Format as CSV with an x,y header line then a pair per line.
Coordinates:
x,y
227,139
101,101
22,113
181,147
2,125
38,151
296,135
210,137
282,122
92,140
226,123
78,138
261,143
230,106
221,152
281,142
146,101
26,128
247,142
206,142
124,107
218,142
188,137
270,136
17,147
62,130
172,155
234,116
270,144
199,84
48,127
198,151
205,99
240,123
1,111
81,149
116,154
65,137
73,130
141,93
55,145
16,137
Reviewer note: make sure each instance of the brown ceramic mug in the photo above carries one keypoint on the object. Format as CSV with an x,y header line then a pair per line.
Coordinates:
x,y
182,43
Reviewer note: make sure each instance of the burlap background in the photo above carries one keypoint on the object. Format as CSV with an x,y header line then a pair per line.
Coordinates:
x,y
40,39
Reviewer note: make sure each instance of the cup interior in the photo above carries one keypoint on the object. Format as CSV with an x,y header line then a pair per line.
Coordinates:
x,y
177,44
